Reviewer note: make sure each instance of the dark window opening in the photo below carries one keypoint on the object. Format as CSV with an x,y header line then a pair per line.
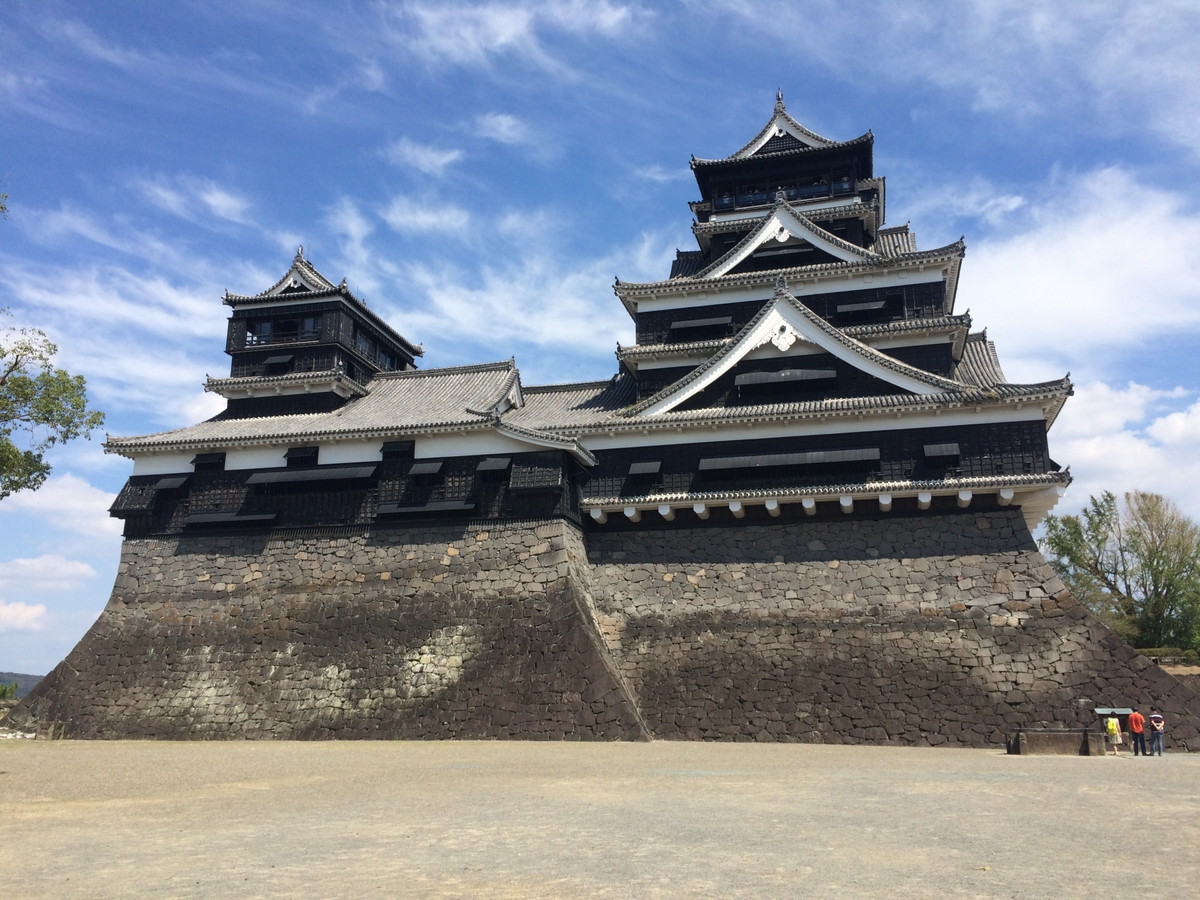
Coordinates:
x,y
301,457
397,449
209,462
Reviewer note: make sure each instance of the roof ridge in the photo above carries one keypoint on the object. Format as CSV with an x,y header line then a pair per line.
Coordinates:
x,y
442,370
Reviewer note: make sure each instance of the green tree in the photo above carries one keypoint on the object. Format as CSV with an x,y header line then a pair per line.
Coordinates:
x,y
8,691
1135,564
40,406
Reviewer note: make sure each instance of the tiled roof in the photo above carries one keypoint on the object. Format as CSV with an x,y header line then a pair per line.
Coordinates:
x,y
819,214
571,406
898,328
687,262
266,383
829,333
892,242
625,289
398,403
806,224
979,364
868,138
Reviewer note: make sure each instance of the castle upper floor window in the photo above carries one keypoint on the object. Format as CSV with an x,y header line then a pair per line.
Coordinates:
x,y
282,330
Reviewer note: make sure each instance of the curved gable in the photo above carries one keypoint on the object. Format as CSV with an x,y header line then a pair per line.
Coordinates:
x,y
782,323
784,224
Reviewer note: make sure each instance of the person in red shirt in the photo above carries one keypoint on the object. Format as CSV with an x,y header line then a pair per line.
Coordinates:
x,y
1137,732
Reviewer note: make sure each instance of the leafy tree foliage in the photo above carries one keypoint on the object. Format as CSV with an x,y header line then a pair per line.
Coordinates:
x,y
1136,564
40,406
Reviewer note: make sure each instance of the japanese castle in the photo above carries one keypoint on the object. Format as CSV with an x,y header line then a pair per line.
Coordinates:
x,y
804,360
799,511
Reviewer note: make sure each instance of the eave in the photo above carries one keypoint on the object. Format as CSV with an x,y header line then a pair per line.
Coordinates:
x,y
630,292
298,382
1036,495
956,326
866,138
1049,396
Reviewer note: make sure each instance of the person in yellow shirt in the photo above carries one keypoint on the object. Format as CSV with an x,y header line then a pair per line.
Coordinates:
x,y
1112,731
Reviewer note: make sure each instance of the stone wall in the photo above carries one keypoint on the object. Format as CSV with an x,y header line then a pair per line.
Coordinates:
x,y
438,632
948,629
936,629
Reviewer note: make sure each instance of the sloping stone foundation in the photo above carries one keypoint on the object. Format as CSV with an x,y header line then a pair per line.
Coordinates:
x,y
467,632
939,629
948,629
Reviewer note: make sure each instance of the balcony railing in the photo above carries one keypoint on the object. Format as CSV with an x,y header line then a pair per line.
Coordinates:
x,y
839,187
282,337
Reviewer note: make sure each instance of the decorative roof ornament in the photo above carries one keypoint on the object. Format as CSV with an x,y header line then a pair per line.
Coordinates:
x,y
779,107
781,286
300,253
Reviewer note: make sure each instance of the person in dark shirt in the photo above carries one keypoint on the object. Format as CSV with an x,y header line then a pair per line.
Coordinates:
x,y
1137,732
1157,727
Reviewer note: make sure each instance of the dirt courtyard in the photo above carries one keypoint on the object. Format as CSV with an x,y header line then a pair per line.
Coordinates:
x,y
474,819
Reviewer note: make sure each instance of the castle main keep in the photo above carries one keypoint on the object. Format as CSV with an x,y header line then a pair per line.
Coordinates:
x,y
800,510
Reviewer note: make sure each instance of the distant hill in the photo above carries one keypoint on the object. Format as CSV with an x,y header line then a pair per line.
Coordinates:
x,y
25,683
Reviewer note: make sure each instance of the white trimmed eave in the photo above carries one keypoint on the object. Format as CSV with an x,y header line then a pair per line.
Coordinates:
x,y
1036,495
890,413
782,325
807,279
283,385
779,125
126,448
549,441
920,331
831,208
785,224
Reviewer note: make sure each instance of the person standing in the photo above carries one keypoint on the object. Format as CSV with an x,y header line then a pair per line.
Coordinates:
x,y
1157,727
1112,730
1137,732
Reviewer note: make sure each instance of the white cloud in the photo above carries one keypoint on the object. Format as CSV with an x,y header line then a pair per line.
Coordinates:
x,y
186,196
1129,438
69,503
1100,408
478,35
661,173
1106,261
17,616
431,160
404,214
536,301
1179,430
503,128
353,228
43,574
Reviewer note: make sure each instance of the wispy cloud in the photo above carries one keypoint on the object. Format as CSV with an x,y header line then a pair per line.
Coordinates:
x,y
431,160
1129,67
185,195
561,313
503,128
404,214
480,34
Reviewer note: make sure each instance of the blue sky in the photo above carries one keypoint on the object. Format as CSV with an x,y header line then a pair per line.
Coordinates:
x,y
480,173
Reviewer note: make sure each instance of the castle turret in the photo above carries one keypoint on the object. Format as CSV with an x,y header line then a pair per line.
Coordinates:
x,y
305,344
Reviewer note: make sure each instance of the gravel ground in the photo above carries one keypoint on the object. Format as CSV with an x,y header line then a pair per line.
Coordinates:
x,y
473,819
